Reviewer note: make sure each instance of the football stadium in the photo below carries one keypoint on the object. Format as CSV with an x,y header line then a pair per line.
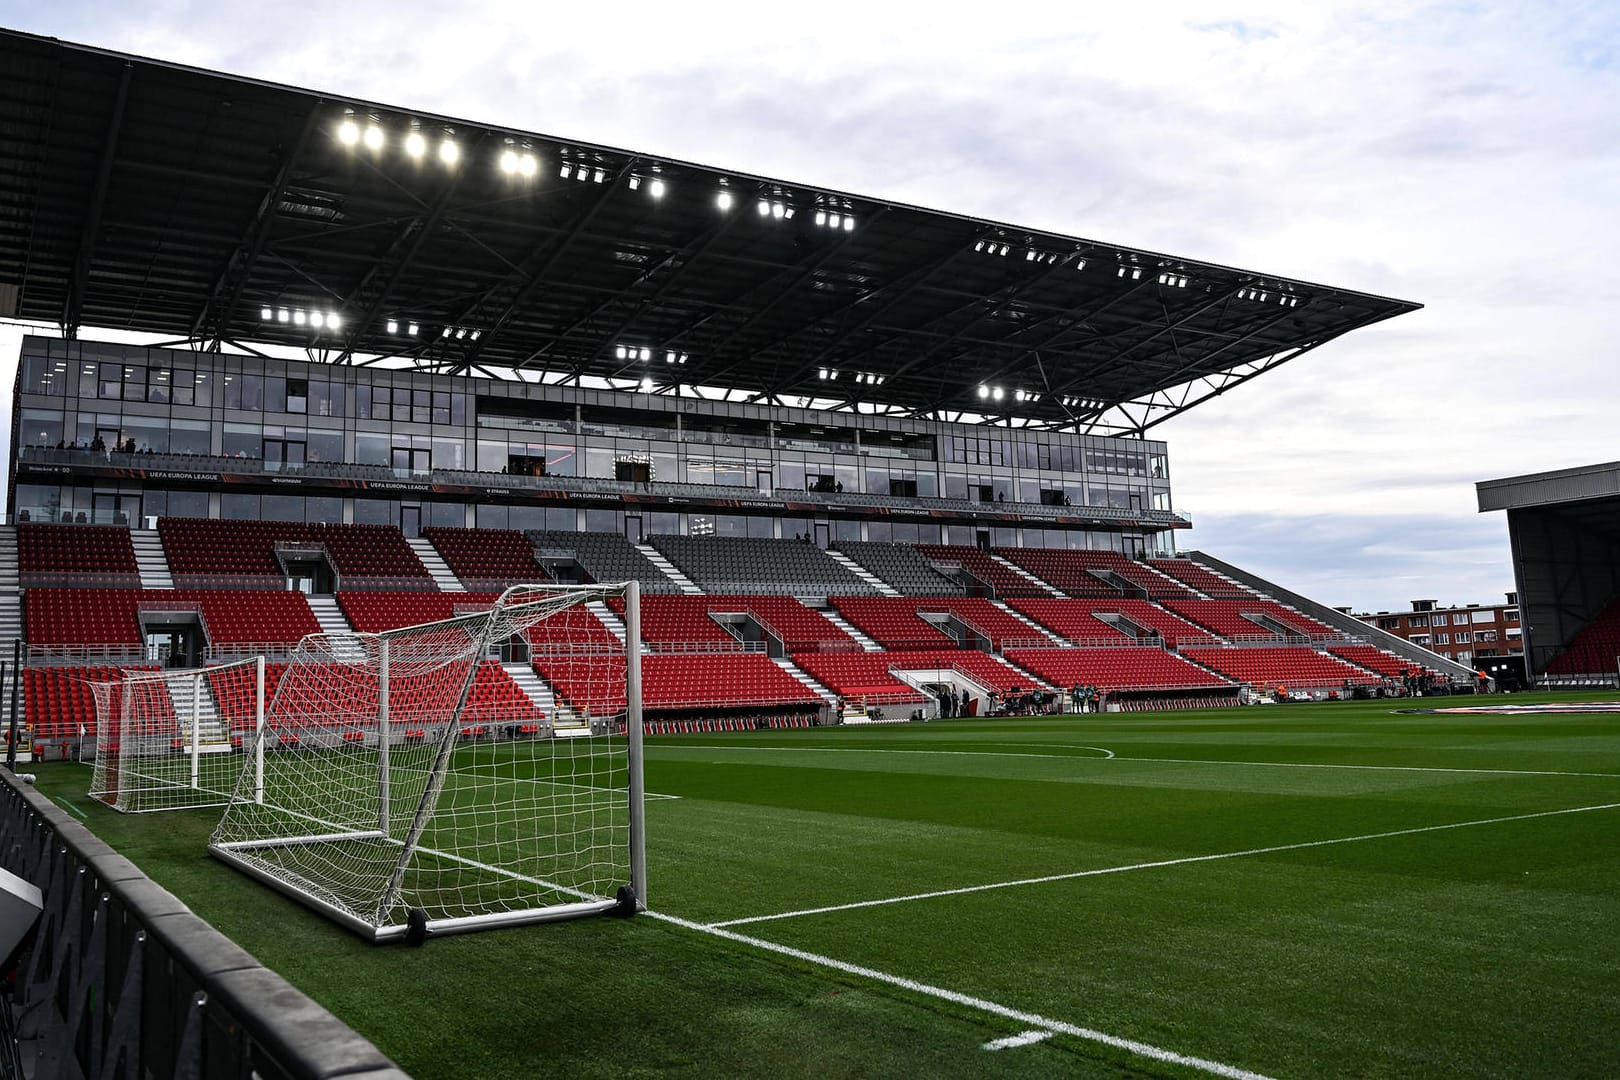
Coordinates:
x,y
533,607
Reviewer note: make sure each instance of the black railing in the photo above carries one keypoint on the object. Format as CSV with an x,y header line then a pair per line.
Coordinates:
x,y
122,980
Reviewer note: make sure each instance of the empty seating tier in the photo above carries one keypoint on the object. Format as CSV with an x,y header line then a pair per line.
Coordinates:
x,y
487,558
901,567
76,555
1084,572
573,628
1130,667
1594,650
674,681
678,621
1251,618
57,700
1201,578
861,676
242,554
1292,666
1000,579
115,616
1375,659
916,622
604,557
736,564
1088,621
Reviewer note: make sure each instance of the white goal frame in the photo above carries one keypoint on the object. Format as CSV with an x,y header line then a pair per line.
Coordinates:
x,y
274,857
150,751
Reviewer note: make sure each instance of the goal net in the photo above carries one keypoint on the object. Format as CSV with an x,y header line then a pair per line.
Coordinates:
x,y
166,740
406,783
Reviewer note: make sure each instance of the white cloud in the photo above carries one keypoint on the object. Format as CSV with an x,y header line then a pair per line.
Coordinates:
x,y
1458,155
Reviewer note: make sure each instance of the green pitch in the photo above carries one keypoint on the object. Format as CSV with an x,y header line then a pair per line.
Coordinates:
x,y
1289,891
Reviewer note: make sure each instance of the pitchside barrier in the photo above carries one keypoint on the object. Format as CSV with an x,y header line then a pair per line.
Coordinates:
x,y
119,971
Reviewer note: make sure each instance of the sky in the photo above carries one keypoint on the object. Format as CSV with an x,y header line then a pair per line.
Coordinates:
x,y
1462,155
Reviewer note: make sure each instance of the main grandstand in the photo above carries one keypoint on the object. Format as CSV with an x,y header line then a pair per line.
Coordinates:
x,y
860,455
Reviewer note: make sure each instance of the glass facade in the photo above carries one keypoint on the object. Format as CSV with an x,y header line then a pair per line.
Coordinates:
x,y
286,417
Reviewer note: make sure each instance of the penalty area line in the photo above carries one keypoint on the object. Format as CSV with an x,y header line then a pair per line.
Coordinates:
x,y
1042,1024
1155,865
71,808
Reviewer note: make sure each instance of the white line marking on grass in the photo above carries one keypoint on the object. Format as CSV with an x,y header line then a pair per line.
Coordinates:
x,y
1023,1038
1112,757
1157,864
73,809
1057,1027
1103,750
1374,768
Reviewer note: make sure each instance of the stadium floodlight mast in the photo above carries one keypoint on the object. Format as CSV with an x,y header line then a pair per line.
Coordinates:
x,y
386,792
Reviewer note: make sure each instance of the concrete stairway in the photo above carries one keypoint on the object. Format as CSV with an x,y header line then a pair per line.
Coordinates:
x,y
798,673
847,627
150,559
194,704
437,568
1025,574
1031,623
558,715
883,587
670,570
610,620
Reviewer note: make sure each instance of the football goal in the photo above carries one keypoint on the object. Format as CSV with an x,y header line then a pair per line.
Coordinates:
x,y
426,781
166,740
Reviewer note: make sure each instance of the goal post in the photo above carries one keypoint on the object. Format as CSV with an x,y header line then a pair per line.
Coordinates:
x,y
407,783
168,740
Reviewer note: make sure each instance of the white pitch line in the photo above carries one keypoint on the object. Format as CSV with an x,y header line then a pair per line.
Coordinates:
x,y
1034,1020
1023,1038
1375,768
1187,860
1113,757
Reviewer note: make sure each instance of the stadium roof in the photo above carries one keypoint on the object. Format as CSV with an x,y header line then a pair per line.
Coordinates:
x,y
141,195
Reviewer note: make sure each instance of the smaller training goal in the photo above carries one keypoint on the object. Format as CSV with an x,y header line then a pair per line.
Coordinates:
x,y
409,783
167,740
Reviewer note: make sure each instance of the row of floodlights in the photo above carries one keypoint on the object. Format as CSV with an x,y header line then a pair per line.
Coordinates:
x,y
996,393
645,355
1175,281
350,133
870,378
1032,255
1070,401
320,320
1262,297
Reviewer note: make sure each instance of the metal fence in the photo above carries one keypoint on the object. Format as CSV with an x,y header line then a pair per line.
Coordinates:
x,y
122,981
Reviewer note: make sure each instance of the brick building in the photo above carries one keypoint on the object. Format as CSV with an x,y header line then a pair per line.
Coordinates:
x,y
1487,637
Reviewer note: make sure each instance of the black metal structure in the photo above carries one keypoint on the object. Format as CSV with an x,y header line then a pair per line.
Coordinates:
x,y
142,195
1564,529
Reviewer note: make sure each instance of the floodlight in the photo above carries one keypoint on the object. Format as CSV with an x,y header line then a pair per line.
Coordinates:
x,y
349,133
833,220
474,334
374,137
621,353
764,208
979,246
333,320
790,213
821,373
778,211
821,217
565,170
647,385
656,189
582,174
646,354
317,320
1029,256
849,222
411,330
461,332
448,151
723,200
445,332
509,162
995,392
832,373
599,176
527,165
669,358
1136,274
393,326
298,318
266,314
984,391
1004,250
415,145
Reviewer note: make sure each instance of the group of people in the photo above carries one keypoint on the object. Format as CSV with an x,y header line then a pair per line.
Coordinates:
x,y
953,703
1085,698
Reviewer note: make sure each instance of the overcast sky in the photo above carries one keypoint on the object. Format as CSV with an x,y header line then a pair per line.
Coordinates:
x,y
1462,155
